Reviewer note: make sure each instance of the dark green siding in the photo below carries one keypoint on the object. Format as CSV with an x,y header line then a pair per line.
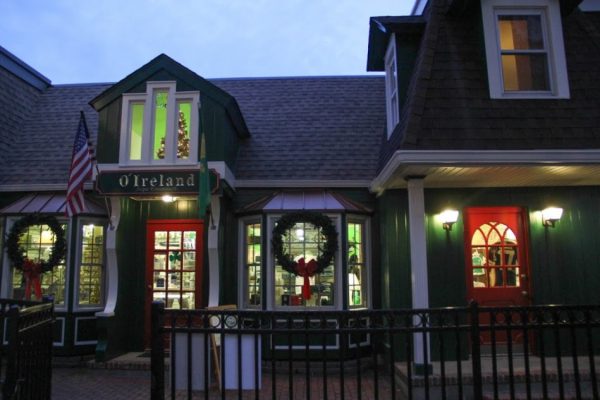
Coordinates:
x,y
109,127
131,255
395,254
564,260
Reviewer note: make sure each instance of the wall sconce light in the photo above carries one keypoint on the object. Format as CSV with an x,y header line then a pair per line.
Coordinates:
x,y
449,217
550,215
167,198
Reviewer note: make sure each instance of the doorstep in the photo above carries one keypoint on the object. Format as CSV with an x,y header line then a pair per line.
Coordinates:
x,y
127,361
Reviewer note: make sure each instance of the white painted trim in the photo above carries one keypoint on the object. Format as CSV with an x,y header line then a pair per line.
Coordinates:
x,y
62,337
82,342
112,271
242,270
419,7
554,44
301,183
391,86
418,259
590,5
214,276
224,172
482,158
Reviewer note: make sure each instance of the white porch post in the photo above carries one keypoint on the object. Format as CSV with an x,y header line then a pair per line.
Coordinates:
x,y
213,251
418,257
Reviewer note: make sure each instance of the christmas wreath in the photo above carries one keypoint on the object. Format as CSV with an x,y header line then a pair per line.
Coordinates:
x,y
32,269
302,267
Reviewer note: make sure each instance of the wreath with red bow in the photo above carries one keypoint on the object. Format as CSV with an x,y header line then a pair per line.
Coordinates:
x,y
17,254
302,267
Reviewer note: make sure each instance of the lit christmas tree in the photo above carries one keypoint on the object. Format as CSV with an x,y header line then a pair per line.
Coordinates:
x,y
183,141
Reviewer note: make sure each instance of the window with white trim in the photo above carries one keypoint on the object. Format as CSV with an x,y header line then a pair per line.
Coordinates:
x,y
159,127
391,87
358,261
524,49
252,262
91,262
37,241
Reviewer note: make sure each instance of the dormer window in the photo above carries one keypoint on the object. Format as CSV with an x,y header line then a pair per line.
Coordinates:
x,y
159,127
524,49
391,87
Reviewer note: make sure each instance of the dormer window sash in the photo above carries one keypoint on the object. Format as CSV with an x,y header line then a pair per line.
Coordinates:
x,y
391,85
159,127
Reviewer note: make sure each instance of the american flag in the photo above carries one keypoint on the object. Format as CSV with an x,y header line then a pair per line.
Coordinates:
x,y
81,169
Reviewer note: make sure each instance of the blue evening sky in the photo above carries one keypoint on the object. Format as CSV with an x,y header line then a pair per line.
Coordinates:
x,y
81,41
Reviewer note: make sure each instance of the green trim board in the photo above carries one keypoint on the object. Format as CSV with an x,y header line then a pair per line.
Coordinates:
x,y
153,182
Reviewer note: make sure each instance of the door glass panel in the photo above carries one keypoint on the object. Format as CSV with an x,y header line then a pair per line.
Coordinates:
x,y
160,240
160,261
174,280
189,280
494,248
189,260
189,240
175,259
174,240
159,280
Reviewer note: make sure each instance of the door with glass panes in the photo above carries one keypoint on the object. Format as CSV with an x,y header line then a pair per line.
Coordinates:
x,y
174,263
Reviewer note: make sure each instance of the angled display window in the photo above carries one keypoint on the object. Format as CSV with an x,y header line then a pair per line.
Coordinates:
x,y
159,127
525,49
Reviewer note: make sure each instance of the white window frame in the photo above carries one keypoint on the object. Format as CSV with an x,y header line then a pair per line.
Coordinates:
x,y
147,99
391,86
243,271
7,270
78,253
269,272
549,10
366,286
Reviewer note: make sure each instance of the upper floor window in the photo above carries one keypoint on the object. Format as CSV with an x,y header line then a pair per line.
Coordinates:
x,y
160,126
524,49
391,87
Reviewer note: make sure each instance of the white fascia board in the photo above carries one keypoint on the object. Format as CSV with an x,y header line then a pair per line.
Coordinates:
x,y
223,170
482,158
40,187
304,183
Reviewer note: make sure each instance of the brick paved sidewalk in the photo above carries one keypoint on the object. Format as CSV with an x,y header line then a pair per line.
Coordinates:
x,y
99,384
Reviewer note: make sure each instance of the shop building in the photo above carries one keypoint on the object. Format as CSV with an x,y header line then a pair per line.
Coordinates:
x,y
489,108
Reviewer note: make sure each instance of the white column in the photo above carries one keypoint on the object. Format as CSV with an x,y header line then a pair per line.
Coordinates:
x,y
112,270
213,251
418,257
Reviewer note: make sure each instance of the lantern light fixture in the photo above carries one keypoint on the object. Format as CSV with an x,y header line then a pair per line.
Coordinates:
x,y
551,215
167,198
449,217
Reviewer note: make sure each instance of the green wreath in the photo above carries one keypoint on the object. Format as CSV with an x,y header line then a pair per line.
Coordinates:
x,y
286,222
16,252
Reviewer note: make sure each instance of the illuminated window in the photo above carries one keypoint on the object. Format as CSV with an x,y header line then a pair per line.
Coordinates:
x,y
91,265
303,240
357,262
524,49
391,87
157,127
495,257
37,240
252,263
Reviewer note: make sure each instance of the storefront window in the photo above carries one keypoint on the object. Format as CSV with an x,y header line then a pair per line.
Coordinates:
x,y
304,240
252,263
91,265
37,240
495,257
357,270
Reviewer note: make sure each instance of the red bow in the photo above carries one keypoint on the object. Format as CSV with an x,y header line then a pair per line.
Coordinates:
x,y
306,270
32,272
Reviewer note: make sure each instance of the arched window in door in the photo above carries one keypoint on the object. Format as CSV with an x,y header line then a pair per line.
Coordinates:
x,y
495,258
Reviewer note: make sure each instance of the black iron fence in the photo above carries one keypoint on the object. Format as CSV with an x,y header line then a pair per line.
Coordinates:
x,y
26,365
446,353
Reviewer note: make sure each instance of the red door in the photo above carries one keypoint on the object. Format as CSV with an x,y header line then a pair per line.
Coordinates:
x,y
497,266
174,257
